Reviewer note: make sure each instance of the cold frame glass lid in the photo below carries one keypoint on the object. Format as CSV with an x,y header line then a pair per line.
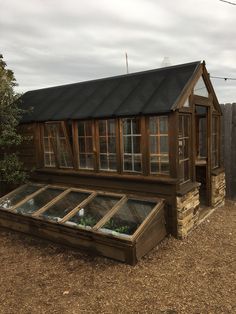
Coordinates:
x,y
89,215
63,206
17,196
38,201
128,218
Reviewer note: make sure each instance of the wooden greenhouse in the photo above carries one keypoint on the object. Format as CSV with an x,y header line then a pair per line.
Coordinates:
x,y
120,162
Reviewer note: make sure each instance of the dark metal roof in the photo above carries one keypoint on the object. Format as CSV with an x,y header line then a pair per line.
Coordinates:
x,y
150,92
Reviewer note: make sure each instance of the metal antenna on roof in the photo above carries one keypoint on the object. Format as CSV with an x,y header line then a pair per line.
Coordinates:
x,y
127,65
166,62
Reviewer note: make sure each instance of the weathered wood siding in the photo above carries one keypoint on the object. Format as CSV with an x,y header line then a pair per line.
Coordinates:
x,y
27,150
229,147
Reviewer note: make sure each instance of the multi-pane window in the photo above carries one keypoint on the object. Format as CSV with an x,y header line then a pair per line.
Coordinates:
x,y
107,145
49,156
85,139
59,143
158,145
184,148
215,141
132,157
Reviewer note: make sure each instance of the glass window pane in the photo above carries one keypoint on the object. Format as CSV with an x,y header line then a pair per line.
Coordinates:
x,y
129,217
93,211
82,161
164,144
82,145
88,128
89,144
186,104
136,126
153,125
112,162
9,201
163,125
127,144
102,127
127,162
137,163
103,145
200,88
89,163
181,149
154,167
186,149
126,126
165,167
136,144
186,170
112,145
81,128
64,206
38,201
111,127
154,144
104,162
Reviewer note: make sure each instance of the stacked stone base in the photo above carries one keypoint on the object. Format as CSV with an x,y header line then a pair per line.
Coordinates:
x,y
218,190
187,212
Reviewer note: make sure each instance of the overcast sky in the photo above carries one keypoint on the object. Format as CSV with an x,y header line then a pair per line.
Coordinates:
x,y
54,42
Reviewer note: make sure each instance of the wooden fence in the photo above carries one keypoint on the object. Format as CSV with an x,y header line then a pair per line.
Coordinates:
x,y
229,147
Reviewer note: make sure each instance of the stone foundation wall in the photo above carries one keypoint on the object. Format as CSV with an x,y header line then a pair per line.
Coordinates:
x,y
218,190
187,212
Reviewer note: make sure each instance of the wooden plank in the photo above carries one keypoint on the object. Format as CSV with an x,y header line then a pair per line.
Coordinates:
x,y
153,234
233,153
118,249
227,138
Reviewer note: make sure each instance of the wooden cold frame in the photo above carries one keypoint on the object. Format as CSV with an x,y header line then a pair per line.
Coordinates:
x,y
120,248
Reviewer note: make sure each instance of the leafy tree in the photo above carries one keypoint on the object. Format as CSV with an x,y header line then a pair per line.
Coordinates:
x,y
11,170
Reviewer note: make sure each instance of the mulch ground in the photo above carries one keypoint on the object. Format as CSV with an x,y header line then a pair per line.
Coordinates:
x,y
197,275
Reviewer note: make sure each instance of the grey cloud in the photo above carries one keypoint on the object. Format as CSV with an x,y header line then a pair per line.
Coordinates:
x,y
56,42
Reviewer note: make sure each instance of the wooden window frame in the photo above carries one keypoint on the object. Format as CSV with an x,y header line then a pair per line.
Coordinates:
x,y
183,138
159,154
77,145
144,153
216,133
131,135
56,153
107,136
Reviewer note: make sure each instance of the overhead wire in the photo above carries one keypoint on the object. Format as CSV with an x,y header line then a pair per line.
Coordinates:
x,y
223,78
229,2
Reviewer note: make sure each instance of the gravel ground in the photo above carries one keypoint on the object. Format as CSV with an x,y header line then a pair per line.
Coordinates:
x,y
196,275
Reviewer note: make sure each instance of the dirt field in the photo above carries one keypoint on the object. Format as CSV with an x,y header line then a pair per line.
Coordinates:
x,y
196,275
